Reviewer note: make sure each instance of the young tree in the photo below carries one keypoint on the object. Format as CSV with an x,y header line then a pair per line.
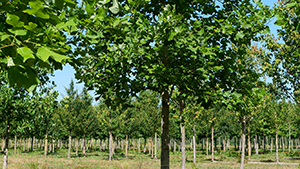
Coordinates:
x,y
160,45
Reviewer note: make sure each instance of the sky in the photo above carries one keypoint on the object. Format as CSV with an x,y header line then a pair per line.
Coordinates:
x,y
63,77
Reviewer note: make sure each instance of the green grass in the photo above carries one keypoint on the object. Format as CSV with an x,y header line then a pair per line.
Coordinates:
x,y
99,159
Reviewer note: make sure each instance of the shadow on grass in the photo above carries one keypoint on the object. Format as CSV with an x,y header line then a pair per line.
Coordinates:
x,y
267,161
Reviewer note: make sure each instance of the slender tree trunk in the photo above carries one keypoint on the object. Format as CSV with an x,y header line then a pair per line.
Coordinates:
x,y
249,144
282,141
174,146
126,146
182,126
228,143
243,142
77,146
53,146
152,148
289,137
5,158
70,145
15,145
271,145
212,143
145,145
139,145
206,146
83,146
276,146
256,144
223,143
110,145
165,139
155,154
46,145
32,143
194,143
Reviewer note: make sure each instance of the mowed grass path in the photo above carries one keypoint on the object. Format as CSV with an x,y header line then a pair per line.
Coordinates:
x,y
97,159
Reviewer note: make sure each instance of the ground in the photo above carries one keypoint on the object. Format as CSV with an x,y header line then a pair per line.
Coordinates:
x,y
96,159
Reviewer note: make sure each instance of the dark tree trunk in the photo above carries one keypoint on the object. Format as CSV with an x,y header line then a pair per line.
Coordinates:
x,y
165,140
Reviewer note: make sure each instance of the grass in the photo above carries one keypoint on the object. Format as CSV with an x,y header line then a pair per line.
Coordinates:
x,y
99,159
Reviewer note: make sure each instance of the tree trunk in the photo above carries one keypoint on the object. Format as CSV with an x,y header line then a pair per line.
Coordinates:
x,y
243,142
212,143
228,143
32,143
165,140
182,126
110,145
5,158
145,145
174,146
256,144
282,141
83,146
139,145
126,146
46,145
249,144
271,145
206,146
77,146
289,137
194,143
15,145
155,154
53,146
223,143
276,145
70,145
152,148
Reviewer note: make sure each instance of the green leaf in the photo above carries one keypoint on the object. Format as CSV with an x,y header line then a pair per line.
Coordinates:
x,y
65,24
18,31
3,37
37,10
14,20
70,3
59,4
26,53
43,53
58,57
289,5
115,8
31,26
240,35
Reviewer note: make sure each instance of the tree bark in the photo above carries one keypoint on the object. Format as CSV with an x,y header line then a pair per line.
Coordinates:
x,y
174,146
165,140
194,143
46,145
77,145
249,144
110,145
126,146
243,142
145,145
5,158
212,143
182,126
139,145
83,146
70,145
289,137
271,145
155,154
206,146
276,146
15,145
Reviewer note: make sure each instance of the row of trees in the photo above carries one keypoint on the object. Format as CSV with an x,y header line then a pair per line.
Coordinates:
x,y
196,50
74,118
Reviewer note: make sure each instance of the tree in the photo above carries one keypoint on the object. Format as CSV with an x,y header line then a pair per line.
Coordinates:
x,y
32,35
11,110
136,45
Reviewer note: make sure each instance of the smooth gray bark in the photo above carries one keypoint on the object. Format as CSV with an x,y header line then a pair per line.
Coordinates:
x,y
243,142
70,145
